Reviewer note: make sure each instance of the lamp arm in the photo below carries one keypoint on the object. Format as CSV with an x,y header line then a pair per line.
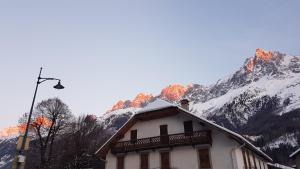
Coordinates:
x,y
43,79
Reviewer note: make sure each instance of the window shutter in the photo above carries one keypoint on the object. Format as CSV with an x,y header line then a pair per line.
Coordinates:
x,y
164,138
188,127
165,160
144,161
204,159
133,135
163,130
120,162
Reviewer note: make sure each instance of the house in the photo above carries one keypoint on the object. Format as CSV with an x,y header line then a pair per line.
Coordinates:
x,y
296,156
166,136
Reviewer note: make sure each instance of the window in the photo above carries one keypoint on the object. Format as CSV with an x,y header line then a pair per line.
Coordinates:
x,y
165,160
188,128
164,138
244,159
163,130
120,162
204,159
144,161
133,136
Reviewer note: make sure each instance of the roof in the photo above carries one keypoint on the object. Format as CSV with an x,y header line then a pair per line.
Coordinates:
x,y
279,166
156,105
161,105
295,153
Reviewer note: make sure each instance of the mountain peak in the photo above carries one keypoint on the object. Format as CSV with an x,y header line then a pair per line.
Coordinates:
x,y
260,54
138,101
11,131
174,92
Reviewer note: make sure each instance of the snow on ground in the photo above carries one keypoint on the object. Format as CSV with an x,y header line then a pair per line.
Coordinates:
x,y
254,138
287,139
119,112
5,160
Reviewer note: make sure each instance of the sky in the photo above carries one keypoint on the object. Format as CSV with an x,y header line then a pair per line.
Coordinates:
x,y
105,51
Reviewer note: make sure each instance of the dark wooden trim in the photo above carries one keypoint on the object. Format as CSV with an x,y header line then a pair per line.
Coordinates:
x,y
144,157
188,127
165,160
248,158
180,139
244,158
120,162
259,162
204,158
254,161
133,135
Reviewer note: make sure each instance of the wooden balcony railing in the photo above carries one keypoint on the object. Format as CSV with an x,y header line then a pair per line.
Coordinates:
x,y
181,139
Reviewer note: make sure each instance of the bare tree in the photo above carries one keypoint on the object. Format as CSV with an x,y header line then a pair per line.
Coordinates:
x,y
81,142
50,118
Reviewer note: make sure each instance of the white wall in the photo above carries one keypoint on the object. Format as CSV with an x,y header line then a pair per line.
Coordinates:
x,y
180,157
222,150
184,158
151,128
111,161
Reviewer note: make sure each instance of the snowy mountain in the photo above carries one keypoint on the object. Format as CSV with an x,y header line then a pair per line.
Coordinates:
x,y
7,152
260,100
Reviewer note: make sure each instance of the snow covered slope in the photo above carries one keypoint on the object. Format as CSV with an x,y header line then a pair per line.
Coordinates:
x,y
7,152
261,99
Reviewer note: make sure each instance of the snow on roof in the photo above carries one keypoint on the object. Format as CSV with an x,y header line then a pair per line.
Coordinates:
x,y
116,133
280,166
230,132
161,104
295,153
156,105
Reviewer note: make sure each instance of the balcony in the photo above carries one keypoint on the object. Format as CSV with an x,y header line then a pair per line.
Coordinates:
x,y
172,140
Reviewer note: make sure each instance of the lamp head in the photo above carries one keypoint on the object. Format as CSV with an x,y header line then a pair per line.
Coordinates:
x,y
58,86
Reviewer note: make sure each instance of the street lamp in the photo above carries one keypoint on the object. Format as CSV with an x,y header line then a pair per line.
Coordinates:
x,y
39,81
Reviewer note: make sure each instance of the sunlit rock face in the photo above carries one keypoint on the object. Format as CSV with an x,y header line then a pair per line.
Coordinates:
x,y
140,99
137,102
14,131
260,54
173,92
10,131
250,65
119,105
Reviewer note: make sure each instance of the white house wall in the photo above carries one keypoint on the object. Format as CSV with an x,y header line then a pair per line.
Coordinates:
x,y
151,128
222,151
111,161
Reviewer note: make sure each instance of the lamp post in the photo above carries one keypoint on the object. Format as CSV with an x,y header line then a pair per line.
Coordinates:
x,y
39,81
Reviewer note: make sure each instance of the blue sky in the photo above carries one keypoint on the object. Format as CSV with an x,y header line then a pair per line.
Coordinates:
x,y
105,51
